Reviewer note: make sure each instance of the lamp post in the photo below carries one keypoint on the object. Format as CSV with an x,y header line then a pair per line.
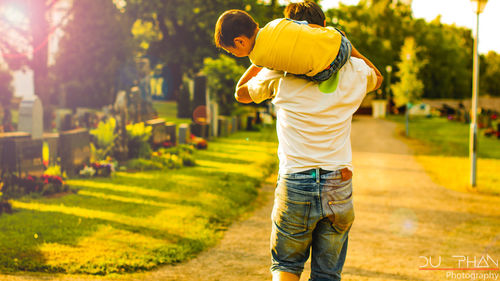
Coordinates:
x,y
478,8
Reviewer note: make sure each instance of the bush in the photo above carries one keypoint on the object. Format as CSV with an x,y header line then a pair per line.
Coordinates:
x,y
104,136
14,186
184,152
165,158
138,140
141,164
223,74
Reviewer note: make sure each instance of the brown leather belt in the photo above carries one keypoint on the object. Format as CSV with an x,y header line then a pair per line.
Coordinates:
x,y
345,173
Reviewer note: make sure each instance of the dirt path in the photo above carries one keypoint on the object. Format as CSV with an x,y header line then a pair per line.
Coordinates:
x,y
401,215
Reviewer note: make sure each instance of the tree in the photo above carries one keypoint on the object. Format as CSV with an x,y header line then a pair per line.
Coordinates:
x,y
378,29
25,36
6,90
223,74
409,89
96,46
490,78
449,50
186,29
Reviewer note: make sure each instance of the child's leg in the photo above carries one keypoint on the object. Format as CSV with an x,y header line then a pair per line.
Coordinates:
x,y
342,57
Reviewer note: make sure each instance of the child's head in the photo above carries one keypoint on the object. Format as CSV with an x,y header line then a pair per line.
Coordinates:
x,y
235,32
306,10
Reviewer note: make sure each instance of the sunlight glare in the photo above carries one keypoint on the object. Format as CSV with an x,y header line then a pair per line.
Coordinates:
x,y
13,15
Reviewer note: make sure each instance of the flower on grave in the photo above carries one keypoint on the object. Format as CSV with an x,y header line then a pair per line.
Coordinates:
x,y
198,142
167,144
87,171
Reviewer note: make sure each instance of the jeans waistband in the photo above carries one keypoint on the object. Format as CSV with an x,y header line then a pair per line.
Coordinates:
x,y
316,173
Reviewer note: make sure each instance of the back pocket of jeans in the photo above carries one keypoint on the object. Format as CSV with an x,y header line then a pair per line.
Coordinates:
x,y
340,208
291,217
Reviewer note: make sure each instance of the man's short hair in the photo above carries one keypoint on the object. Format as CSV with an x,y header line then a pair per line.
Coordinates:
x,y
306,10
231,24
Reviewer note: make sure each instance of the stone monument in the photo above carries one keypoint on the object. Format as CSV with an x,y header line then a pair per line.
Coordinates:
x,y
31,117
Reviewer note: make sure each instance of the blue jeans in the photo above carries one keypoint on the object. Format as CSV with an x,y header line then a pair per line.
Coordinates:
x,y
313,212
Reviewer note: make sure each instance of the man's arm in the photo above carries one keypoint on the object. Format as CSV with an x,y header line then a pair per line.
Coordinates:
x,y
251,72
242,95
355,53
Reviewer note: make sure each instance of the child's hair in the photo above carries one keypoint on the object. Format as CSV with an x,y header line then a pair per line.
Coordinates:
x,y
306,10
231,24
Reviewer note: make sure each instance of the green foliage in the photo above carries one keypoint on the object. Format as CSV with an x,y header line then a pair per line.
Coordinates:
x,y
141,164
96,46
105,132
144,32
448,50
53,170
222,76
187,29
6,90
490,78
439,136
378,30
105,137
165,159
184,153
138,140
409,88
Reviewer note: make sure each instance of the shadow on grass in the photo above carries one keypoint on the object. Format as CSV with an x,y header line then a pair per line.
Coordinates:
x,y
46,228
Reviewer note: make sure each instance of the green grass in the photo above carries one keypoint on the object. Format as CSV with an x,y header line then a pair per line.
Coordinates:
x,y
137,221
168,111
442,147
439,136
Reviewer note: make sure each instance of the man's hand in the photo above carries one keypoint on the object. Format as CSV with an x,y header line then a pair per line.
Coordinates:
x,y
242,95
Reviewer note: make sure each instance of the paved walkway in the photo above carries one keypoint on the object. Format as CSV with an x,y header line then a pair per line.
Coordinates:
x,y
401,215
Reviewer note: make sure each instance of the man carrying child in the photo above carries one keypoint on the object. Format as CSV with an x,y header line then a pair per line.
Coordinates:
x,y
313,209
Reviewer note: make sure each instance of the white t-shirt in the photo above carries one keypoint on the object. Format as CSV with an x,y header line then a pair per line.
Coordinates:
x,y
314,120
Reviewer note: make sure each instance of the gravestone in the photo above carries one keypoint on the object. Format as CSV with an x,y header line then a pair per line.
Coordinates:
x,y
200,130
184,134
29,155
74,150
250,120
223,126
258,119
158,132
31,117
8,158
200,91
234,124
21,154
200,98
171,130
60,116
214,114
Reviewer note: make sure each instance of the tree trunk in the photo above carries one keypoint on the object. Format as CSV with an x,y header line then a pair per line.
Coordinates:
x,y
39,27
